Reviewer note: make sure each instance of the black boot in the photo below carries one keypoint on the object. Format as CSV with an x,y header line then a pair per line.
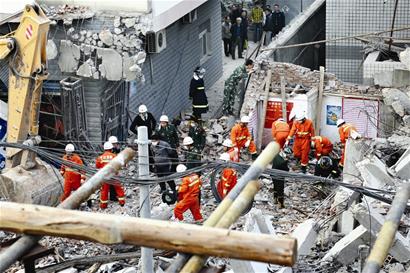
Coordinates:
x,y
254,157
303,168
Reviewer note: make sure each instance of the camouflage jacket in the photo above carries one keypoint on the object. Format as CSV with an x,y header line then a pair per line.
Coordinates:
x,y
169,134
238,74
198,136
193,158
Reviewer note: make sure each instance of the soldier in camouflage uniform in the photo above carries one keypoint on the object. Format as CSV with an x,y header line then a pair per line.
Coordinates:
x,y
168,133
192,154
231,86
198,135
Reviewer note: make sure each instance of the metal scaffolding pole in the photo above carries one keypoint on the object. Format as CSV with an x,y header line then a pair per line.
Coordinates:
x,y
145,202
25,243
388,231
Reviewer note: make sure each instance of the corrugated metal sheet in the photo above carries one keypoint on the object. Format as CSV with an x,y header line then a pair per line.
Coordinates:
x,y
4,74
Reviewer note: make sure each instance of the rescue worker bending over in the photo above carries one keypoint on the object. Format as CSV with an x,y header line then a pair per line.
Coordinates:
x,y
192,154
242,138
327,167
322,145
346,130
188,195
198,135
280,131
303,131
72,178
231,150
101,161
228,178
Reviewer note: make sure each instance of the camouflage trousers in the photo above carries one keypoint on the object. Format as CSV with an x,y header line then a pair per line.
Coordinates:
x,y
229,99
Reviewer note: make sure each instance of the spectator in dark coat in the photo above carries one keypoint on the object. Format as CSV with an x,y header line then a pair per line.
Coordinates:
x,y
226,35
244,26
268,26
235,13
197,93
144,118
278,20
237,34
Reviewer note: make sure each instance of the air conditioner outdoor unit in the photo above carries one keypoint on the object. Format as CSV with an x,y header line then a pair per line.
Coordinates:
x,y
156,41
190,17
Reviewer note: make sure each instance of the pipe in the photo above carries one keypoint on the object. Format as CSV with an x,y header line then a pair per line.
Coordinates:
x,y
25,243
143,6
388,231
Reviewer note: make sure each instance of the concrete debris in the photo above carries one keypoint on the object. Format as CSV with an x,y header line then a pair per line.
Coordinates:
x,y
402,166
51,50
111,66
373,221
129,22
405,57
106,37
69,56
69,270
87,69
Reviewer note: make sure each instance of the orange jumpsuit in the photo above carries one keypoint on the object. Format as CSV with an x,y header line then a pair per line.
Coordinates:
x,y
103,160
280,132
234,154
240,135
188,197
344,132
227,182
303,133
72,178
323,146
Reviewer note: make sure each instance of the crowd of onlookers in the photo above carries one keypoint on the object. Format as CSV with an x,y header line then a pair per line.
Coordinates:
x,y
236,23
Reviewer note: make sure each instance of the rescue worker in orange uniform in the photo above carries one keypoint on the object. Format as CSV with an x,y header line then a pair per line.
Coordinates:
x,y
322,145
228,178
72,178
280,131
188,195
242,138
346,130
231,150
303,131
101,161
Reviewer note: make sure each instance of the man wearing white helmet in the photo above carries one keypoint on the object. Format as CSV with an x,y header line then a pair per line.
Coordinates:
x,y
231,150
303,131
168,133
242,138
188,195
280,131
228,178
115,143
346,131
197,93
101,161
192,154
72,177
144,118
162,152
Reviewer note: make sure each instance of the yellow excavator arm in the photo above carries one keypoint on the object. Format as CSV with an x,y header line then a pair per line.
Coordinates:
x,y
25,50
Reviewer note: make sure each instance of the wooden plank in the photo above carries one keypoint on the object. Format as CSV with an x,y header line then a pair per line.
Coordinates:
x,y
320,101
283,95
264,108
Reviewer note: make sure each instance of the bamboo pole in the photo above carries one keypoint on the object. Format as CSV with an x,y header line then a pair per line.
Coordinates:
x,y
388,231
254,171
244,199
25,243
283,96
261,124
113,229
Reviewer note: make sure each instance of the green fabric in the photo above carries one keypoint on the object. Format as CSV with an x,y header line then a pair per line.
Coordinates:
x,y
231,88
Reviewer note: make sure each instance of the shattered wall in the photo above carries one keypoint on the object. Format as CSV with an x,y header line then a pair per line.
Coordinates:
x,y
167,85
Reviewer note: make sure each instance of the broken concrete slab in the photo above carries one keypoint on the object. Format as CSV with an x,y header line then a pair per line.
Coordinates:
x,y
111,66
391,95
106,37
129,22
404,57
374,173
128,74
69,56
402,166
398,108
51,50
373,221
345,250
86,69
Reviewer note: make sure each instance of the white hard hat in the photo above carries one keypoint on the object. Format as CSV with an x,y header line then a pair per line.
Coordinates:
x,y
227,143
300,115
164,118
188,141
69,148
181,168
108,145
142,108
225,157
281,119
245,119
113,139
292,113
340,122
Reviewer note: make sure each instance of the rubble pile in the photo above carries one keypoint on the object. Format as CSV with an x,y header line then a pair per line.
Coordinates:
x,y
99,45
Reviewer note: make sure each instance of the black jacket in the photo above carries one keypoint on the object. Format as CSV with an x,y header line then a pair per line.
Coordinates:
x,y
268,26
150,122
235,14
237,31
197,93
278,21
244,26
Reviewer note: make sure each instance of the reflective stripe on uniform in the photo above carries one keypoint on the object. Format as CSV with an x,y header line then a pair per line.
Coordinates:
x,y
194,182
121,198
103,201
240,138
199,106
200,88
